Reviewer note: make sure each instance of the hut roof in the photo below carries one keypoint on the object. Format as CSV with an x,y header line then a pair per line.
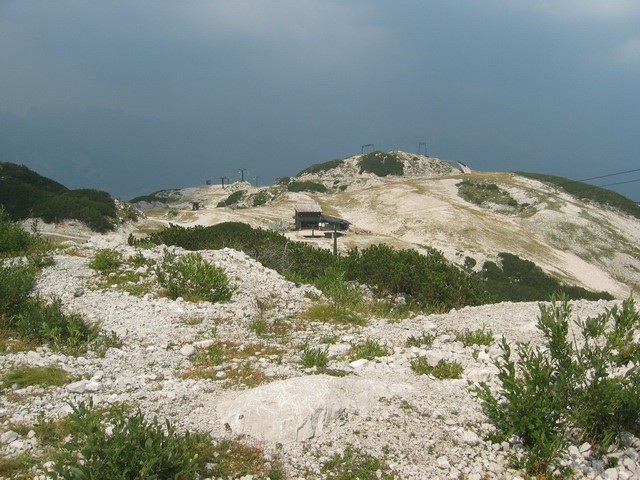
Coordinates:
x,y
308,208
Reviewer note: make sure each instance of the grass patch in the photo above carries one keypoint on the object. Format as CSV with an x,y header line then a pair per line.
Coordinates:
x,y
264,328
355,464
443,369
24,376
314,357
424,340
238,360
11,467
329,314
475,337
370,349
381,164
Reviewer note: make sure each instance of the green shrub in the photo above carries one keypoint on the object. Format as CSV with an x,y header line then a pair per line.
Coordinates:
x,y
16,282
261,198
479,192
93,207
519,280
273,250
193,278
25,376
106,260
306,186
322,167
568,385
211,356
113,444
232,199
370,349
314,357
46,323
424,340
381,164
475,337
429,281
24,194
442,370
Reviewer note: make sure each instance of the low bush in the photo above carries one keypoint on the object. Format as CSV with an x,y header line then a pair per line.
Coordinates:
x,y
428,281
46,323
232,199
381,164
25,376
15,241
289,258
16,282
24,194
583,386
322,167
261,198
306,186
520,280
106,260
479,192
190,276
442,370
112,444
475,337
424,340
93,207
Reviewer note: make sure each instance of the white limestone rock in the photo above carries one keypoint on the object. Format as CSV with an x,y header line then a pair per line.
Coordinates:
x,y
301,408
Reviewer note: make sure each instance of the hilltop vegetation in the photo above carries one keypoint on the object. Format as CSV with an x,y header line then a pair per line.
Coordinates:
x,y
25,194
426,282
584,191
381,164
322,167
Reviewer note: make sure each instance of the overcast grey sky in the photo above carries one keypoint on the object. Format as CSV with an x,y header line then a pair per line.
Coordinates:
x,y
273,86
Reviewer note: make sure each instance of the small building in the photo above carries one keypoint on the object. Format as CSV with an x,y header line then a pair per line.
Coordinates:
x,y
310,216
307,215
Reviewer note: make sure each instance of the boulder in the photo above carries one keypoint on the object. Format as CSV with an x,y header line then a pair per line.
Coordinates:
x,y
300,408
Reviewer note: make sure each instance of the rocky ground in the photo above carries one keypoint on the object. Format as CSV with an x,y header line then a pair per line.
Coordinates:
x,y
421,426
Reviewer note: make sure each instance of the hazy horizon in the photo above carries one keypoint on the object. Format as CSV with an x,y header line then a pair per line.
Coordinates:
x,y
132,97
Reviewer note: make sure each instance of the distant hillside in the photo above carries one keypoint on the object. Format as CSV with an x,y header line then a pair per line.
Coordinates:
x,y
592,193
24,193
381,164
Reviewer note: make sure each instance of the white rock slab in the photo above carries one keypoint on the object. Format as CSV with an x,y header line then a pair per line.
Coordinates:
x,y
300,408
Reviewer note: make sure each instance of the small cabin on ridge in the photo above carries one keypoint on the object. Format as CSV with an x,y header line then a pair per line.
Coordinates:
x,y
309,216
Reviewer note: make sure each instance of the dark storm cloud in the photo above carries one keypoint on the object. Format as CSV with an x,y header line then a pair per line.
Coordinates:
x,y
275,86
